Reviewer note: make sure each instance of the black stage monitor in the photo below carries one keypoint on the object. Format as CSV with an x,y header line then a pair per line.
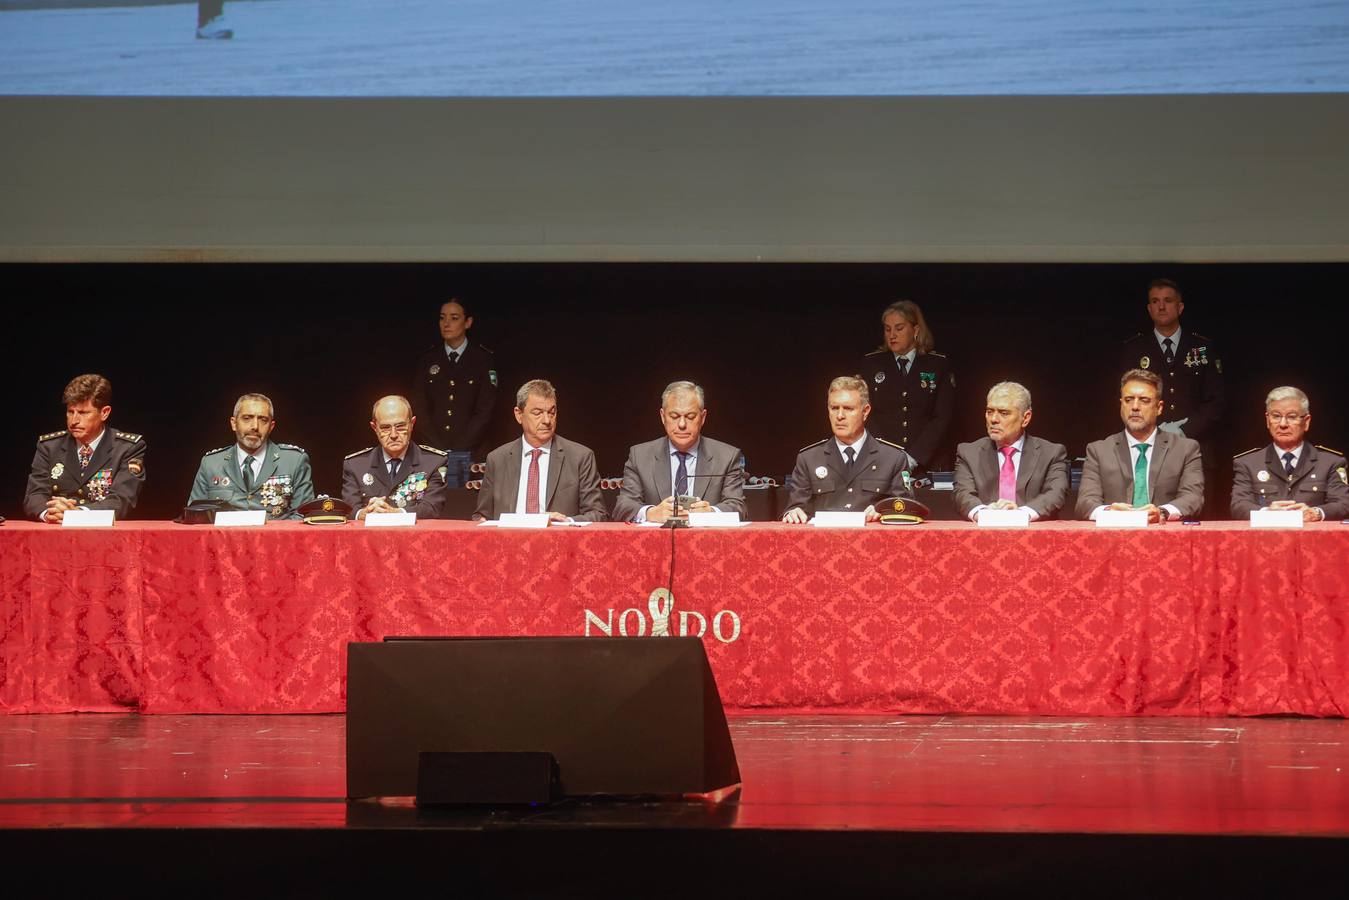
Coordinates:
x,y
621,716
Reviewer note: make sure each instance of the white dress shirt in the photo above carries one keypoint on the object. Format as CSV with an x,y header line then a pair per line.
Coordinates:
x,y
258,458
856,448
690,466
1296,451
523,491
1131,442
1017,447
457,351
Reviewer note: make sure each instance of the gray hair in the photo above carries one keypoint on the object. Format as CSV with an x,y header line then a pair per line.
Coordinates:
x,y
271,410
1288,393
851,383
399,397
682,387
1020,396
536,386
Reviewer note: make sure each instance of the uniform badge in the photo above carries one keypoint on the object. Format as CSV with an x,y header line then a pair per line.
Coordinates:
x,y
1262,475
367,479
1343,477
134,466
225,481
880,376
821,472
1144,363
435,369
58,470
492,376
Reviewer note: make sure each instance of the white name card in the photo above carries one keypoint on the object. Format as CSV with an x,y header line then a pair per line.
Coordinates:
x,y
1003,518
390,520
87,518
240,518
836,519
1266,518
523,520
714,520
1122,518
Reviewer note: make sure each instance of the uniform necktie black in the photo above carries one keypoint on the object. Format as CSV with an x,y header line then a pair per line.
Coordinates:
x,y
454,357
1170,353
903,366
851,454
247,470
394,466
1288,465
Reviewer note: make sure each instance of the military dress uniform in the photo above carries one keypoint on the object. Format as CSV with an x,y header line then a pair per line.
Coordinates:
x,y
454,400
284,483
1192,381
112,480
418,488
1319,480
822,479
913,409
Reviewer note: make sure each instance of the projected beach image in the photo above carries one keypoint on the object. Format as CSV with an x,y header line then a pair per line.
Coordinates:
x,y
531,48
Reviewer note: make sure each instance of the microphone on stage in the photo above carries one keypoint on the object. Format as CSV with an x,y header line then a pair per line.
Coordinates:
x,y
674,521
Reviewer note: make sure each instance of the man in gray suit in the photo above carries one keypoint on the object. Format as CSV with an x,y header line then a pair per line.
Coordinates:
x,y
1143,467
682,463
254,472
541,472
1010,469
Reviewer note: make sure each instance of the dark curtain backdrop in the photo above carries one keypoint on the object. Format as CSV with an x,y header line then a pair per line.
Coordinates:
x,y
181,342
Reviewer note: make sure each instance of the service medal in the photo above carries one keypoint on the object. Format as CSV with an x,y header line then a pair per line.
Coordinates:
x,y
821,472
1343,476
367,479
880,376
1144,363
435,369
58,470
1262,475
225,481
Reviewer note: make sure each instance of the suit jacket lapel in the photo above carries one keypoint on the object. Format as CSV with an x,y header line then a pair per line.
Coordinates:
x,y
554,473
990,465
664,483
834,460
859,463
1304,464
269,461
100,457
706,465
1030,452
508,490
1159,448
378,470
1126,466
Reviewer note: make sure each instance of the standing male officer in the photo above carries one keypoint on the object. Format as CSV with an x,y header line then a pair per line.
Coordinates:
x,y
253,472
455,387
1192,369
397,475
852,470
1290,474
89,465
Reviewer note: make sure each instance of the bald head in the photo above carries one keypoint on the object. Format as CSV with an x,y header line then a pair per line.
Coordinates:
x,y
391,419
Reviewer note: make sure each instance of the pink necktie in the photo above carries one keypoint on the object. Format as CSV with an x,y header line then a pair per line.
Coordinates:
x,y
532,484
85,454
1007,477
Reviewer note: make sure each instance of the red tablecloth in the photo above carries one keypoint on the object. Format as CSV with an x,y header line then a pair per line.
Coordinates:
x,y
1061,618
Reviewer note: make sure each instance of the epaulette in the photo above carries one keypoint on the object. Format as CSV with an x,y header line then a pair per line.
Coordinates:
x,y
296,447
1244,452
485,347
1329,449
358,453
217,450
935,353
128,436
891,444
51,435
878,352
808,446
1134,338
436,450
1200,337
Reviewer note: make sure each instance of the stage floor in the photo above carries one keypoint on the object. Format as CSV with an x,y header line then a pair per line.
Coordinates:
x,y
1183,776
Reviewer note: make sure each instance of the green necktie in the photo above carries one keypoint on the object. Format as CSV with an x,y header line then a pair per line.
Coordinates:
x,y
1141,476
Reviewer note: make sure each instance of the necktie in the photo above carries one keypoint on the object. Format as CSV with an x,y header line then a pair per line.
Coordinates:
x,y
1141,476
247,469
682,473
454,357
903,366
1007,476
851,454
532,484
85,453
394,465
1170,353
1288,464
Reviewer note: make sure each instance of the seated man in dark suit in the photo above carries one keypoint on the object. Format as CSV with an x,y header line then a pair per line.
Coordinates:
x,y
397,475
1010,469
541,472
1290,473
1142,467
682,463
854,469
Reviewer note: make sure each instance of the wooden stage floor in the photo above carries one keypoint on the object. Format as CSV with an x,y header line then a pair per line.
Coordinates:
x,y
919,791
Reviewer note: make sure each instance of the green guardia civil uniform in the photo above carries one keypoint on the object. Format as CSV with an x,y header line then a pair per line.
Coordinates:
x,y
284,484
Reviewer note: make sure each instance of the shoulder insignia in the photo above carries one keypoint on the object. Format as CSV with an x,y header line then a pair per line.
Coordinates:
x,y
128,436
891,444
1329,449
482,346
936,354
1200,338
217,450
1130,340
878,352
1244,452
51,435
436,450
808,446
296,447
358,453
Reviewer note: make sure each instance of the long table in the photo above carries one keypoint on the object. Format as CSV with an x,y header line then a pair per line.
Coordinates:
x,y
1057,619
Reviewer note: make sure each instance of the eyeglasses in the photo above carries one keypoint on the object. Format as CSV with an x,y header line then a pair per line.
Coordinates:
x,y
1280,418
395,428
